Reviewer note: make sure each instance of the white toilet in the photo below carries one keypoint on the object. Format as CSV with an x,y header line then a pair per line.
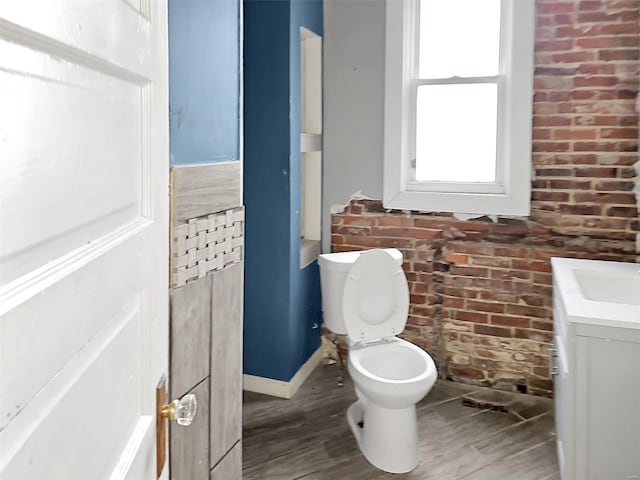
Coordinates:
x,y
365,296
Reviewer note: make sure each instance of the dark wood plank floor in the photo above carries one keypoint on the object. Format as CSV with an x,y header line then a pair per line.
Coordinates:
x,y
501,437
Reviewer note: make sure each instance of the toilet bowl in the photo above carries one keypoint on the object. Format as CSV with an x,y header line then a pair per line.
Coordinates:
x,y
390,374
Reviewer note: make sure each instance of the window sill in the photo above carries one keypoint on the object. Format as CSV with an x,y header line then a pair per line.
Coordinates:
x,y
467,203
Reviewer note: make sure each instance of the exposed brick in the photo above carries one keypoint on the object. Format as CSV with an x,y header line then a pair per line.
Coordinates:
x,y
620,28
562,19
604,198
463,372
510,274
596,146
358,220
629,132
491,262
491,330
569,184
628,54
551,121
599,42
535,335
510,321
456,258
469,271
555,7
554,45
603,17
481,296
542,325
597,172
337,239
485,306
595,81
510,251
527,311
590,5
573,57
550,196
613,185
580,209
351,230
622,212
475,317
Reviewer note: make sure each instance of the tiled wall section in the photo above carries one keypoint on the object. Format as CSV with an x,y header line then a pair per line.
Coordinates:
x,y
206,359
205,244
481,291
206,318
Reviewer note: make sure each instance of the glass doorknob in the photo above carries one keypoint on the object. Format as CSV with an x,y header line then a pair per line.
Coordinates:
x,y
181,411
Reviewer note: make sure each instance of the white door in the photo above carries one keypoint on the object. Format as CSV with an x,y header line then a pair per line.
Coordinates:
x,y
83,237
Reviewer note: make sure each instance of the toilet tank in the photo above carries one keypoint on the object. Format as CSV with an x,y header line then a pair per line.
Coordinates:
x,y
334,268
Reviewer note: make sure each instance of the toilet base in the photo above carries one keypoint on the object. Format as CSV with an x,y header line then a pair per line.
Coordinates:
x,y
388,438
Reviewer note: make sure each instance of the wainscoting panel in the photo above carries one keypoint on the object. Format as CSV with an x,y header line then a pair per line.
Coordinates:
x,y
205,244
190,445
207,288
206,358
190,335
226,360
230,467
204,189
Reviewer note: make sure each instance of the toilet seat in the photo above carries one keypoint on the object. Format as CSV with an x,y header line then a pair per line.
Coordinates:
x,y
375,302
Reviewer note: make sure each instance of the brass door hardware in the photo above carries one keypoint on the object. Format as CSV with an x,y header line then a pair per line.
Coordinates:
x,y
182,411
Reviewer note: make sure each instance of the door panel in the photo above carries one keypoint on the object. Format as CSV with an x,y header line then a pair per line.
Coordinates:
x,y
91,183
58,312
85,389
84,237
96,28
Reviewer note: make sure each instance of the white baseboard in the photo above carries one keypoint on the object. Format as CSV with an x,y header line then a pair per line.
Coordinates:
x,y
279,388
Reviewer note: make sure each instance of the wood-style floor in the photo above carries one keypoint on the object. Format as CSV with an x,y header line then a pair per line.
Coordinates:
x,y
502,436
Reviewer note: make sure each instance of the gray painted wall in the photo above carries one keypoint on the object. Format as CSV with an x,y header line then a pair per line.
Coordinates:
x,y
353,92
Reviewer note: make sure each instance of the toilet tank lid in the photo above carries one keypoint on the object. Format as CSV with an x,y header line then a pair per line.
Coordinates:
x,y
343,261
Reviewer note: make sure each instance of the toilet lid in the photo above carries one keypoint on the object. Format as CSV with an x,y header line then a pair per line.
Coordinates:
x,y
375,302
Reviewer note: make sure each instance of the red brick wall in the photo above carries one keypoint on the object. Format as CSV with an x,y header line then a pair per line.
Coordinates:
x,y
481,291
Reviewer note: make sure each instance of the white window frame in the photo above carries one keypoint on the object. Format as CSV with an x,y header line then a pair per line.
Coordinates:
x,y
510,194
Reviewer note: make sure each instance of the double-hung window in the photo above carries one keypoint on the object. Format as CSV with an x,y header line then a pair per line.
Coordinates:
x,y
458,105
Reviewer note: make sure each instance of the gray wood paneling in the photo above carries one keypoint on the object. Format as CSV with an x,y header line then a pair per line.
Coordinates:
x,y
190,335
226,360
230,468
190,445
204,189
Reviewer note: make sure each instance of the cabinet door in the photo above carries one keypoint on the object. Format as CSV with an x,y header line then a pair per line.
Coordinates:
x,y
608,402
563,399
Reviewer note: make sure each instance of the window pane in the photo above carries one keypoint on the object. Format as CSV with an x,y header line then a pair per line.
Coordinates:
x,y
456,133
459,37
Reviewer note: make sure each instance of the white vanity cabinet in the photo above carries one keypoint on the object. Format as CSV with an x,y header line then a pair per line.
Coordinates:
x,y
596,366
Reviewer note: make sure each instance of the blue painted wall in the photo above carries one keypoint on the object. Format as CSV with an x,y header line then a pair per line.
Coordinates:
x,y
306,313
204,80
282,302
266,188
